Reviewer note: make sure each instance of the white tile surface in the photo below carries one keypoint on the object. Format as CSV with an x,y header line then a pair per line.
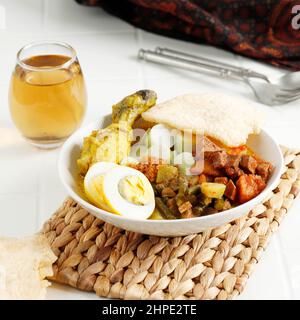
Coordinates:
x,y
261,284
21,160
50,192
9,46
105,56
291,263
103,94
20,13
4,115
30,189
18,215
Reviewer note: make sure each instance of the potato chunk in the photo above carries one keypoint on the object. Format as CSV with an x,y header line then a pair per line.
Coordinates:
x,y
165,173
213,190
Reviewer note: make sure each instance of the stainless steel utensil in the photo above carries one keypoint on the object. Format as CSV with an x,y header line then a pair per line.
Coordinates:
x,y
178,54
285,89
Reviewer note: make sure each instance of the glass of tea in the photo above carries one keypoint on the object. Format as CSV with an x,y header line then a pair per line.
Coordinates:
x,y
47,95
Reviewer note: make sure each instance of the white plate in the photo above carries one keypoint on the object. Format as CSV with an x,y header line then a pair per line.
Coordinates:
x,y
262,144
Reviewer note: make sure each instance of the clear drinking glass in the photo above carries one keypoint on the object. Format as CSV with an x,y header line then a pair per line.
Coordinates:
x,y
47,95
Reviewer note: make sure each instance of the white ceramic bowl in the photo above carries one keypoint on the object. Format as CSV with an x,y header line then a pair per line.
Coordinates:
x,y
262,144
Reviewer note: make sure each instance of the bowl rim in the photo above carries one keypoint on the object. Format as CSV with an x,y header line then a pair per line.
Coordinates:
x,y
90,207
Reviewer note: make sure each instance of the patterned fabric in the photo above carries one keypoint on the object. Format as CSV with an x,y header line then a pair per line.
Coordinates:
x,y
261,29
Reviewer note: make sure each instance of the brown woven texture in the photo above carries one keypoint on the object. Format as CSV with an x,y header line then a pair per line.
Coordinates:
x,y
215,264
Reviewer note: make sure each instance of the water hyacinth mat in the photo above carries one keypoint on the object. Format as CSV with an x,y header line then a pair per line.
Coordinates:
x,y
215,264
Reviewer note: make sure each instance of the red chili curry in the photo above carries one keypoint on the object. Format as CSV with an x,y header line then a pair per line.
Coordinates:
x,y
236,175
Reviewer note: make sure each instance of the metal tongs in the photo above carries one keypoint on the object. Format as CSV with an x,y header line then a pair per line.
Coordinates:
x,y
283,90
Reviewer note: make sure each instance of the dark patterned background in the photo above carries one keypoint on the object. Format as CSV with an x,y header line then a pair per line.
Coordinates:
x,y
260,29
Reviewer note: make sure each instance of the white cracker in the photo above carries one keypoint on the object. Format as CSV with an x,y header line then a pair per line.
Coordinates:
x,y
226,118
24,265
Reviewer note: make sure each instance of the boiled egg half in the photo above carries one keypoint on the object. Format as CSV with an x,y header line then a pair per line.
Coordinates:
x,y
119,189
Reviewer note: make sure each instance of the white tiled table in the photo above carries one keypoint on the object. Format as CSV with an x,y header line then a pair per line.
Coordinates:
x,y
30,189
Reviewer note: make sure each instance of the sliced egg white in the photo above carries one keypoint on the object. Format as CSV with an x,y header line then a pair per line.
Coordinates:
x,y
129,160
121,190
185,158
183,142
138,151
118,203
185,161
93,183
160,135
160,152
145,139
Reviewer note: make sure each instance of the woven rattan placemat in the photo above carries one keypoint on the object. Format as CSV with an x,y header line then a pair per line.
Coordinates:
x,y
215,264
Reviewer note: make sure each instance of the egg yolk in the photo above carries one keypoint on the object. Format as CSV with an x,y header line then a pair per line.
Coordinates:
x,y
133,190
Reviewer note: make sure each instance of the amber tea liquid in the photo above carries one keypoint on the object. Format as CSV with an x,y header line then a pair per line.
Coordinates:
x,y
47,103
